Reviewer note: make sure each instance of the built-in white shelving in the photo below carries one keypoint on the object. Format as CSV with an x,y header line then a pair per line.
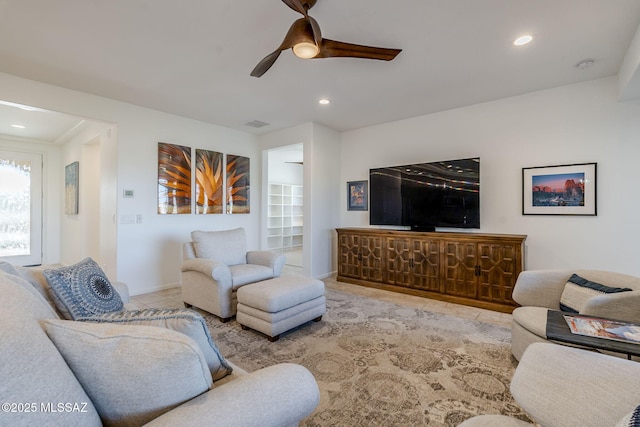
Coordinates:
x,y
285,217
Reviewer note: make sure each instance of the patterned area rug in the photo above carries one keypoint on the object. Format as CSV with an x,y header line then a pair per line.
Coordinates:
x,y
381,364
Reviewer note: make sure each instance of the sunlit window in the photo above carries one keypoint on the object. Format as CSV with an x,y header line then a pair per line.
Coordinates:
x,y
15,207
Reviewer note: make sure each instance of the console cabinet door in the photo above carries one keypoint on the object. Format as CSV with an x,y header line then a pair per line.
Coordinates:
x,y
460,261
413,263
498,271
360,257
371,258
398,256
349,254
426,265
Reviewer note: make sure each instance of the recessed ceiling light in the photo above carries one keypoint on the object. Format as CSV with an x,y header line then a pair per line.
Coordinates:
x,y
19,126
585,63
522,40
324,101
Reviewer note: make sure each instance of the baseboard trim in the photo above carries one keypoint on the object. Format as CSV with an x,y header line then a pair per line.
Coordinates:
x,y
326,275
155,289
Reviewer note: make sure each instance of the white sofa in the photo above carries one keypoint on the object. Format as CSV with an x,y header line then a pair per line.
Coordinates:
x,y
538,291
217,263
90,373
561,386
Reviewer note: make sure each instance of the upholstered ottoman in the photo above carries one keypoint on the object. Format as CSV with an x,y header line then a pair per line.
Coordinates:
x,y
277,305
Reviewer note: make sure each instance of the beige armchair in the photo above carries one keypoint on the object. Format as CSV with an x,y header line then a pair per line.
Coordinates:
x,y
216,264
568,387
538,291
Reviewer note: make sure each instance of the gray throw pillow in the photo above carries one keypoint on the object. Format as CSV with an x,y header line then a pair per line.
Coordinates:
x,y
132,373
183,320
578,290
9,268
82,290
11,272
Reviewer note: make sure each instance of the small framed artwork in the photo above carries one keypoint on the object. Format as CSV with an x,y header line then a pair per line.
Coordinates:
x,y
559,190
71,181
357,196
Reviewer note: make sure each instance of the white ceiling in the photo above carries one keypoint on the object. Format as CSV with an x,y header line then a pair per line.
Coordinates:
x,y
193,58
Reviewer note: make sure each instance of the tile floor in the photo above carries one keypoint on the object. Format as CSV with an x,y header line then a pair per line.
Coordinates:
x,y
172,298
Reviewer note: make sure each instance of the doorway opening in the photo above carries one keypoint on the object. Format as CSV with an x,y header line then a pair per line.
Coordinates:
x,y
39,151
285,204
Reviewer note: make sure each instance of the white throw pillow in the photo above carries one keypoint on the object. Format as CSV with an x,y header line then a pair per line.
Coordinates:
x,y
578,290
132,374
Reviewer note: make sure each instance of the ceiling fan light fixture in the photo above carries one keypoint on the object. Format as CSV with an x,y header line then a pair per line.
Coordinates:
x,y
305,50
305,40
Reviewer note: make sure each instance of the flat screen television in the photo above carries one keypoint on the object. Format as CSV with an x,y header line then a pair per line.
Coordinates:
x,y
426,195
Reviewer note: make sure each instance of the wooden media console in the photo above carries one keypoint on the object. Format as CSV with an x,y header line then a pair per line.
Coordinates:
x,y
465,268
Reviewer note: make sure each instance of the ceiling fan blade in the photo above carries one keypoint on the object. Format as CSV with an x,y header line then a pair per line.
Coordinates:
x,y
296,31
265,64
296,5
332,48
317,35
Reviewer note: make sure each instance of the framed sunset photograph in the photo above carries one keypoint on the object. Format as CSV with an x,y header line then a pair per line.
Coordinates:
x,y
559,190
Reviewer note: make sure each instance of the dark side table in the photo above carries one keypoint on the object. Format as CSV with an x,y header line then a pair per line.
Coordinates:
x,y
558,330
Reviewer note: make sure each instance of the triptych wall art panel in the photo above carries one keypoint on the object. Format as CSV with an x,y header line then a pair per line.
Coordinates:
x,y
175,190
209,185
174,179
237,184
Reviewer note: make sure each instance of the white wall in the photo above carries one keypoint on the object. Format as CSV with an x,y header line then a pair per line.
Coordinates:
x,y
572,124
148,254
322,185
85,148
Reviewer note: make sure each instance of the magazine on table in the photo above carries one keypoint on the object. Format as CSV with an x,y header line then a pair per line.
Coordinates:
x,y
603,328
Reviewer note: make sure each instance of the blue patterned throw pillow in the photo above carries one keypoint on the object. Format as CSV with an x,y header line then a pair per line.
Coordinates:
x,y
82,290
